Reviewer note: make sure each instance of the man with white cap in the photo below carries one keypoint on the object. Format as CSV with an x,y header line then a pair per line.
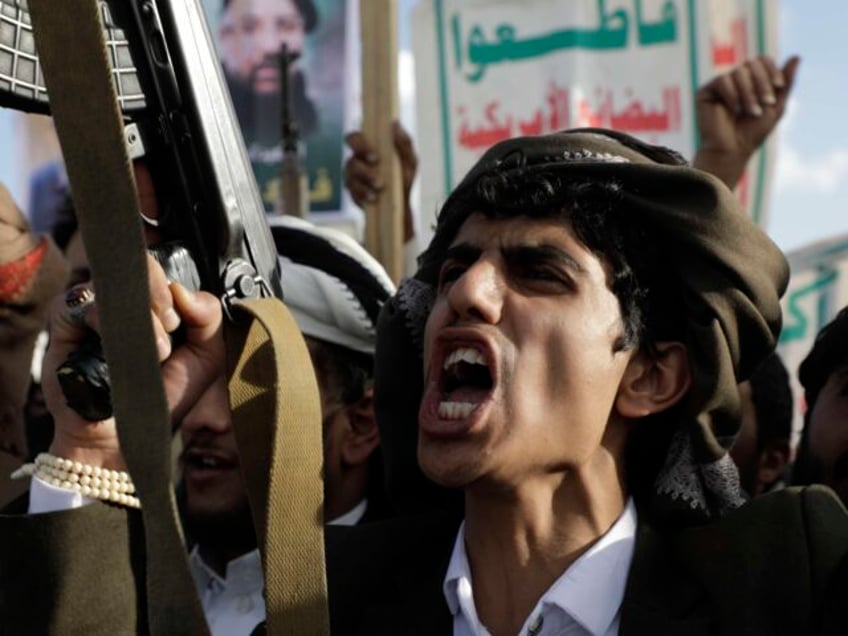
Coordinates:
x,y
335,291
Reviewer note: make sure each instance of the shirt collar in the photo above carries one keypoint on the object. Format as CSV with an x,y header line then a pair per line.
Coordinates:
x,y
242,573
590,590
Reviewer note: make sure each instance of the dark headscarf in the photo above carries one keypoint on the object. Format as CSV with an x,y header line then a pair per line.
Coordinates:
x,y
725,275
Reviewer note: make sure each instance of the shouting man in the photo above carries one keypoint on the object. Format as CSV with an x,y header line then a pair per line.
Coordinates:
x,y
582,316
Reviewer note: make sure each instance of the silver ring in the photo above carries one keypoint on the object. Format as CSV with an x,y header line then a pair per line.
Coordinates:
x,y
77,301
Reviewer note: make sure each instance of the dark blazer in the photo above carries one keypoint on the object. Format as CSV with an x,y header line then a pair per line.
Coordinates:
x,y
779,565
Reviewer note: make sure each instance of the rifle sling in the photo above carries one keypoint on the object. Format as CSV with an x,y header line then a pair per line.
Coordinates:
x,y
74,61
276,412
276,408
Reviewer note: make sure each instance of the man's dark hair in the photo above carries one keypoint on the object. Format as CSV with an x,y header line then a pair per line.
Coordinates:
x,y
307,9
772,398
594,210
829,354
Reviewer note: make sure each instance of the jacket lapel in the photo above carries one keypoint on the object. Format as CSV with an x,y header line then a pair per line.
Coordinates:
x,y
660,597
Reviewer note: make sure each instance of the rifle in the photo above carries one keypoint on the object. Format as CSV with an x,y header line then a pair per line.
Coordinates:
x,y
175,111
177,116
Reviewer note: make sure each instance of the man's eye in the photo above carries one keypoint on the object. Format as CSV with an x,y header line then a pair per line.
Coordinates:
x,y
450,273
289,24
545,274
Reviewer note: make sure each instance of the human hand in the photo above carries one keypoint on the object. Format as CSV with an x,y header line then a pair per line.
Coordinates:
x,y
186,370
362,171
736,111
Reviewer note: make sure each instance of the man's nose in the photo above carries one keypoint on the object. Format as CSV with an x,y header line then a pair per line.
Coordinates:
x,y
210,412
478,294
268,41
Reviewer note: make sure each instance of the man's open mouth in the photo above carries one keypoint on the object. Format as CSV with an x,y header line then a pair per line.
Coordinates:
x,y
202,459
465,382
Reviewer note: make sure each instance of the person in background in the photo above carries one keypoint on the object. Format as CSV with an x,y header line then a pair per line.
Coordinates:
x,y
823,452
32,271
251,36
334,290
761,450
48,188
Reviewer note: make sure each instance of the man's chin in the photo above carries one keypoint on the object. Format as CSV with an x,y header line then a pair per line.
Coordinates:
x,y
444,472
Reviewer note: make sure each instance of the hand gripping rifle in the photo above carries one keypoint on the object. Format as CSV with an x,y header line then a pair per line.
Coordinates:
x,y
167,102
178,116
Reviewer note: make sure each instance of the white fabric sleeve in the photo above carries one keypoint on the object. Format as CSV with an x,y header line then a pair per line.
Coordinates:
x,y
44,497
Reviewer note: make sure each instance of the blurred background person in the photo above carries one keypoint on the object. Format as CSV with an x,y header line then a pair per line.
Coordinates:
x,y
823,451
32,271
334,290
251,36
761,450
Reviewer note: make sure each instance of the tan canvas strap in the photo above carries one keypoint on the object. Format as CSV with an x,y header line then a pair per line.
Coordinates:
x,y
276,412
69,40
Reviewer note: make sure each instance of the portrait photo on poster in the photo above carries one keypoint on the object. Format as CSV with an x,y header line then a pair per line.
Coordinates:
x,y
299,118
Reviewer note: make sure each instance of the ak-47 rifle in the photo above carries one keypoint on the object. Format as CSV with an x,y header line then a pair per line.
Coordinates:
x,y
176,112
178,116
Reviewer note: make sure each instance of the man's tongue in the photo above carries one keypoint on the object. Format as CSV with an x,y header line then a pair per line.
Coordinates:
x,y
466,393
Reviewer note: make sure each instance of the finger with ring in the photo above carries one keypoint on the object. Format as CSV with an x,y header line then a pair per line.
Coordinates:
x,y
77,301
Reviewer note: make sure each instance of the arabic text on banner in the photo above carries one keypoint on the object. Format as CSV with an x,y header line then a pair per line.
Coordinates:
x,y
488,70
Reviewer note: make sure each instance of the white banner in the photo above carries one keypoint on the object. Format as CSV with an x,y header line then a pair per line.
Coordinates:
x,y
488,70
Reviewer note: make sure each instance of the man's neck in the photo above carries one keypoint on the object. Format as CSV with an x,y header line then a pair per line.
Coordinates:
x,y
344,494
520,541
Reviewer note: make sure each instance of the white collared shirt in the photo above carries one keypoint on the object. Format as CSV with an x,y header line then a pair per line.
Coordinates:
x,y
233,604
584,601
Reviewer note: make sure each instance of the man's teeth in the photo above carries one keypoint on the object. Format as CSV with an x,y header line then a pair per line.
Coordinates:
x,y
455,410
207,462
465,354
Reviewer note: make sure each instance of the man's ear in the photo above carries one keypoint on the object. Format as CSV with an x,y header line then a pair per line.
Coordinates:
x,y
772,461
654,382
362,436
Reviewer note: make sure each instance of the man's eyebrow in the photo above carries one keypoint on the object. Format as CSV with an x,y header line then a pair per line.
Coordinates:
x,y
545,252
463,253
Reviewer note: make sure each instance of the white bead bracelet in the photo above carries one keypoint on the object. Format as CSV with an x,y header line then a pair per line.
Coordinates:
x,y
90,481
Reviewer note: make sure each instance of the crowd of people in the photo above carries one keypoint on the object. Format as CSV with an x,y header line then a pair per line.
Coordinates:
x,y
534,434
